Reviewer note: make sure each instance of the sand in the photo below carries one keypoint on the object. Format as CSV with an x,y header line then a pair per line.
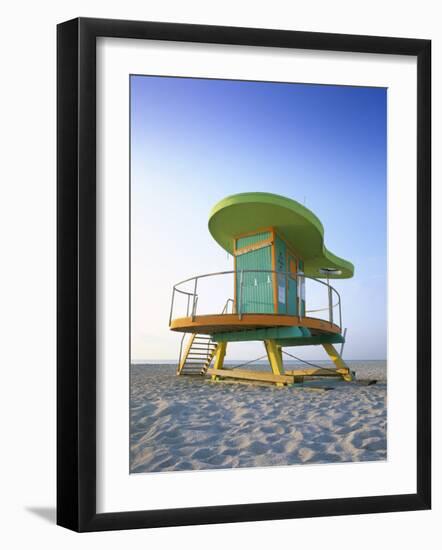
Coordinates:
x,y
183,423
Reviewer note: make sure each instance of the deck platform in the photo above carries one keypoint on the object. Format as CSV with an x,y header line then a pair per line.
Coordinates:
x,y
211,324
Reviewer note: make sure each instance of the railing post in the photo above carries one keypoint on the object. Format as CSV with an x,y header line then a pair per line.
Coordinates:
x,y
340,312
194,299
171,306
286,294
330,304
241,280
298,295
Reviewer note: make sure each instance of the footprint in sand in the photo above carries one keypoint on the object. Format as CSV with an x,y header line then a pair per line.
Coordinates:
x,y
363,438
257,448
305,454
202,454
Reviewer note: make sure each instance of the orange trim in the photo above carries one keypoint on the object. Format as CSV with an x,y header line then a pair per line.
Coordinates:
x,y
250,233
271,230
209,324
292,264
254,246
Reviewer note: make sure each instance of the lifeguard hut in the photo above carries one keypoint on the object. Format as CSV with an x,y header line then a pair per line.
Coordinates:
x,y
281,266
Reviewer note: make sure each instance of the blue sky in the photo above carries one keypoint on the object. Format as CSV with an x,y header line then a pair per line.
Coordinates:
x,y
194,141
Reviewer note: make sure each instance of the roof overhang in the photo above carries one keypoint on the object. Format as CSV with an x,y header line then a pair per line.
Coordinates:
x,y
302,230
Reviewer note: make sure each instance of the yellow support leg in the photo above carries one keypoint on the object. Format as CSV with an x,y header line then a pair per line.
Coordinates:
x,y
341,367
274,354
219,358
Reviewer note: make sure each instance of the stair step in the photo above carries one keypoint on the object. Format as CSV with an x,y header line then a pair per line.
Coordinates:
x,y
203,344
195,371
192,372
199,355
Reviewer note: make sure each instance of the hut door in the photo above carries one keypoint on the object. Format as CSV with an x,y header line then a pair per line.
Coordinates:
x,y
292,286
254,290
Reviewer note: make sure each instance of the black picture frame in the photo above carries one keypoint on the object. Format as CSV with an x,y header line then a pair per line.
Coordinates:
x,y
76,274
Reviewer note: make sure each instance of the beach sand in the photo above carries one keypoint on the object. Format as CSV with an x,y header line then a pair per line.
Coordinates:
x,y
187,423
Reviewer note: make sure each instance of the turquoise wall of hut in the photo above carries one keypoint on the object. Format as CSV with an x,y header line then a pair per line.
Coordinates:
x,y
254,290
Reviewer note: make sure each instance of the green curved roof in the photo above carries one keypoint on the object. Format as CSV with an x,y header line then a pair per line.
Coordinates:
x,y
249,212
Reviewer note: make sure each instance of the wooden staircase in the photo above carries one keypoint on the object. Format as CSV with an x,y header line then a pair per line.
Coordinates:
x,y
197,356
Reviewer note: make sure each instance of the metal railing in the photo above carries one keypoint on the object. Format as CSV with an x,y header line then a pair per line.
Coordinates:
x,y
330,299
226,306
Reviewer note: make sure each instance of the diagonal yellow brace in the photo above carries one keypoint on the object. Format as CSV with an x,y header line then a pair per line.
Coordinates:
x,y
274,354
219,358
341,367
186,354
